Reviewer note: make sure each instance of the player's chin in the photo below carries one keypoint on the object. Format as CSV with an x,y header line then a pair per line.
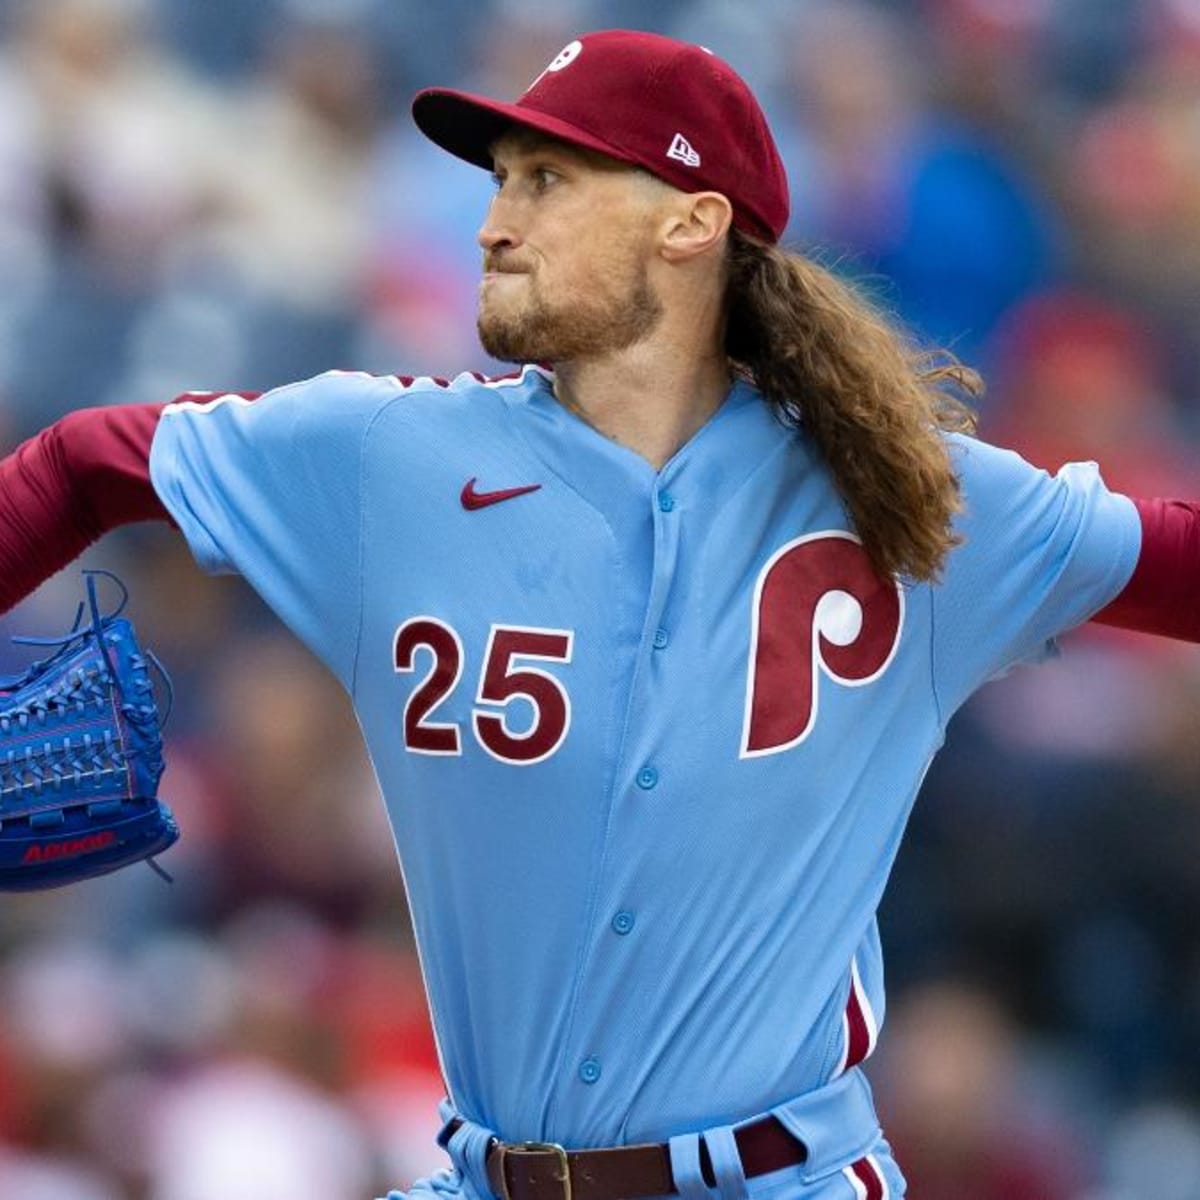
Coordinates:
x,y
501,339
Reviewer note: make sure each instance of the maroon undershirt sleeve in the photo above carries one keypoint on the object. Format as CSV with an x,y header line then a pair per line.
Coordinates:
x,y
1163,594
62,489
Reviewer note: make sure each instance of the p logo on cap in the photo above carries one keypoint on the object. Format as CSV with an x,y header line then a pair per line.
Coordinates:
x,y
565,57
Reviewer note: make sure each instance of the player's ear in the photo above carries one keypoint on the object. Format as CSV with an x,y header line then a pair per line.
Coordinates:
x,y
698,222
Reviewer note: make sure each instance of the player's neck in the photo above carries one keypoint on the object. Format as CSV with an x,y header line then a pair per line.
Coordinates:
x,y
650,398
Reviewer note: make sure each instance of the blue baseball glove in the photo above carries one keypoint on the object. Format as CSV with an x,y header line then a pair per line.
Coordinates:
x,y
81,757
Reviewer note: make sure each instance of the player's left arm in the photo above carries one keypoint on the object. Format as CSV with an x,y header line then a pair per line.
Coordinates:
x,y
1163,593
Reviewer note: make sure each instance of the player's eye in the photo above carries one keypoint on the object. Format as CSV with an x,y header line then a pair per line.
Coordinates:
x,y
538,178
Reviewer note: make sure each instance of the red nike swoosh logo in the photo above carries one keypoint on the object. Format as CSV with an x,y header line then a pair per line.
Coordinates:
x,y
471,499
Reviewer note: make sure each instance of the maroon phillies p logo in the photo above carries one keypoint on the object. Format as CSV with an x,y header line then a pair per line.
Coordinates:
x,y
818,606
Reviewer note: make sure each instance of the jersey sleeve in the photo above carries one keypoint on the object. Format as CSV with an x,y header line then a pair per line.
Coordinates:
x,y
1041,554
271,489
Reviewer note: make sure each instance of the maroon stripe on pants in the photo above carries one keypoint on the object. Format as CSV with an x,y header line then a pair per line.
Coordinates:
x,y
858,1034
866,1174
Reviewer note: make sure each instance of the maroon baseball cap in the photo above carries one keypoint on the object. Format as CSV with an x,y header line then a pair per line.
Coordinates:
x,y
668,106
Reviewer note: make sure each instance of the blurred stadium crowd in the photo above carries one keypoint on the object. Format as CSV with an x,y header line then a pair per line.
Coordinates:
x,y
229,195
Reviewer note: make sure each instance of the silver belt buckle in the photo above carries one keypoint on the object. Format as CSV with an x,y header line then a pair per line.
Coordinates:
x,y
563,1177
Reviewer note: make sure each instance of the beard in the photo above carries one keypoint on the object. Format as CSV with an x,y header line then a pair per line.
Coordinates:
x,y
599,322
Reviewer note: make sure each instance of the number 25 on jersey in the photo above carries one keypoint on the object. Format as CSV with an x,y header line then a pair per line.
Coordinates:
x,y
503,678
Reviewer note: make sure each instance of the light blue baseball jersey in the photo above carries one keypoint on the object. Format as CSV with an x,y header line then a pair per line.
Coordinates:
x,y
647,739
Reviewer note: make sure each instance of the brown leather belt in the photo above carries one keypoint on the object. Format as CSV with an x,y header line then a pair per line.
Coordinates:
x,y
544,1171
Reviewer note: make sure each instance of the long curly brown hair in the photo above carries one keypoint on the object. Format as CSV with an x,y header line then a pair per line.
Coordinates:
x,y
874,403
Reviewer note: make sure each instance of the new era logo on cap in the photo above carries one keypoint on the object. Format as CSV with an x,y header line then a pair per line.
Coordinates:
x,y
681,150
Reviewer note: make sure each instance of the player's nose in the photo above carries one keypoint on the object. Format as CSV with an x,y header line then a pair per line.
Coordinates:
x,y
497,232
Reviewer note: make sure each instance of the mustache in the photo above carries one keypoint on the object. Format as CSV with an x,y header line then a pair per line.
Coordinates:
x,y
503,265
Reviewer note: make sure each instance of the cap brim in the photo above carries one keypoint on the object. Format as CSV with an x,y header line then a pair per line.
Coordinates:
x,y
468,126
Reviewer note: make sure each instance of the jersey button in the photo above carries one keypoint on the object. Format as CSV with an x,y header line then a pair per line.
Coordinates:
x,y
622,923
589,1070
666,502
647,778
661,638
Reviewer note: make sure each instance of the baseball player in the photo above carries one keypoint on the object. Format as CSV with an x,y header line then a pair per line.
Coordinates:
x,y
651,641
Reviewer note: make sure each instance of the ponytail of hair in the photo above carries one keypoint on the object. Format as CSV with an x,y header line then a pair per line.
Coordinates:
x,y
875,405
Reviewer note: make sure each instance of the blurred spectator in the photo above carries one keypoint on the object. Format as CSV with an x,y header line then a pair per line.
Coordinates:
x,y
115,146
126,134
919,197
953,1103
1136,165
292,217
246,1131
1077,376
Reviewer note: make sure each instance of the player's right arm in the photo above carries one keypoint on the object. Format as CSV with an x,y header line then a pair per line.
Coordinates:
x,y
71,483
271,490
